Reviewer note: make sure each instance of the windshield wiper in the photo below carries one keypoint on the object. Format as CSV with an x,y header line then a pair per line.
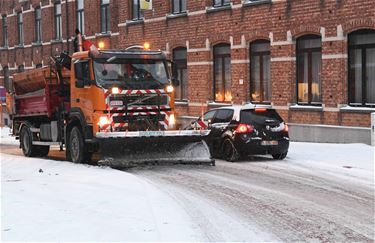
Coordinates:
x,y
111,59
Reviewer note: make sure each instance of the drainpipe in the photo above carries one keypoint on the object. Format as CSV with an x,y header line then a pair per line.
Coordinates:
x,y
67,27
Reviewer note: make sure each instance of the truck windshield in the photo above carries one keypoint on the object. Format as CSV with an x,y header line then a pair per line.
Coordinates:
x,y
131,74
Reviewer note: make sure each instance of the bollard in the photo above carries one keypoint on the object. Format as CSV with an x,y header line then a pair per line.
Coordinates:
x,y
373,129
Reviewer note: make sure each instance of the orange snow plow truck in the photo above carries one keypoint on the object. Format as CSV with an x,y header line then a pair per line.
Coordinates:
x,y
117,104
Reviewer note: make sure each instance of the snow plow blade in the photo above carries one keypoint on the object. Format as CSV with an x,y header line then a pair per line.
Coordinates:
x,y
125,150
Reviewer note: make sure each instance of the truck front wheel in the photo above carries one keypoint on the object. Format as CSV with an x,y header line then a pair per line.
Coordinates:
x,y
77,149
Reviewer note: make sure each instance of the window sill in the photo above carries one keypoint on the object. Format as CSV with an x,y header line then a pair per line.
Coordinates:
x,y
134,22
56,41
103,34
218,9
176,15
305,108
181,102
3,48
213,103
359,109
35,44
21,46
254,3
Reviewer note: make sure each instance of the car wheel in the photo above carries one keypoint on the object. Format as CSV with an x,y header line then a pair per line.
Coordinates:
x,y
279,156
229,151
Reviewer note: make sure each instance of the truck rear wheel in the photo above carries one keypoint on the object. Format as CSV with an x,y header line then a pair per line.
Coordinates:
x,y
77,149
28,149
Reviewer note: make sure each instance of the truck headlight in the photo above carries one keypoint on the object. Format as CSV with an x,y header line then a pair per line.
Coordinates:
x,y
169,89
115,90
104,120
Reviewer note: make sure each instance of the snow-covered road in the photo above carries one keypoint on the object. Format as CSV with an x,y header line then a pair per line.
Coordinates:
x,y
322,192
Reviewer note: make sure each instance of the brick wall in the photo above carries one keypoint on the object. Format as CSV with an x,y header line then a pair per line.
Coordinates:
x,y
279,21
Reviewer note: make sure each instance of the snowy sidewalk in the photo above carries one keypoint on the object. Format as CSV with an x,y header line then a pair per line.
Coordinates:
x,y
70,202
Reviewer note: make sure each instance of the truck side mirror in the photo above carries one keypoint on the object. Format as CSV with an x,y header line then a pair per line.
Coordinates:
x,y
80,83
81,70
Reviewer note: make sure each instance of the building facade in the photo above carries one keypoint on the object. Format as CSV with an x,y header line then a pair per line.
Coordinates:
x,y
312,60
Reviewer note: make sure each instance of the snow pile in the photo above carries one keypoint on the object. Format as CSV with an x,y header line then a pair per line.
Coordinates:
x,y
45,200
5,137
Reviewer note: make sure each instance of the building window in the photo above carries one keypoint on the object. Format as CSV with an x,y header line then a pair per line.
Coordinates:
x,y
20,28
219,3
222,73
260,72
80,16
180,60
5,31
362,68
137,12
179,6
309,62
21,68
104,16
58,24
38,25
7,83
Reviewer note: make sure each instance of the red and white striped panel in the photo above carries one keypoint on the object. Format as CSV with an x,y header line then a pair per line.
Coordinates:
x,y
138,108
153,107
120,125
105,128
136,91
201,124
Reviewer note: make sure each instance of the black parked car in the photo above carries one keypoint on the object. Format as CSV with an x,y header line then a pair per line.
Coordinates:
x,y
239,131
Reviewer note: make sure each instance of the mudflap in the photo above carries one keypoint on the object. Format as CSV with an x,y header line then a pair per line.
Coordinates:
x,y
127,152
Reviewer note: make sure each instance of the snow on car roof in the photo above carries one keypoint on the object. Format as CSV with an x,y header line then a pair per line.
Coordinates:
x,y
246,106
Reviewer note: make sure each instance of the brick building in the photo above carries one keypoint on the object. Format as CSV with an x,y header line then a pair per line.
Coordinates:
x,y
312,60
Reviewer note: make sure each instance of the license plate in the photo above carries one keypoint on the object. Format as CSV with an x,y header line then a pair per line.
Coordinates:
x,y
116,103
151,133
267,143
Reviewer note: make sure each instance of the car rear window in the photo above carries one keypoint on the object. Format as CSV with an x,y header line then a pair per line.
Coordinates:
x,y
224,115
260,116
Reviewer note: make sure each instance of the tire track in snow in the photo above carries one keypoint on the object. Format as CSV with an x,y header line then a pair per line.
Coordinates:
x,y
291,205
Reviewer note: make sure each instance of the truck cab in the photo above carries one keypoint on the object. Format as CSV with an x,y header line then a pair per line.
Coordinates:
x,y
122,90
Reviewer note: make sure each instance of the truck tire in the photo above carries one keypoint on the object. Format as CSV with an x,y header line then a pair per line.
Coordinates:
x,y
28,149
26,142
77,149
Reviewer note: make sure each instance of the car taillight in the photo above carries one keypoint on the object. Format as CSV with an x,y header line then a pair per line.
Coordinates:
x,y
286,128
244,128
260,110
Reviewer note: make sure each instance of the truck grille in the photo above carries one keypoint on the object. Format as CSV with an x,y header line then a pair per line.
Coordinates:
x,y
134,119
